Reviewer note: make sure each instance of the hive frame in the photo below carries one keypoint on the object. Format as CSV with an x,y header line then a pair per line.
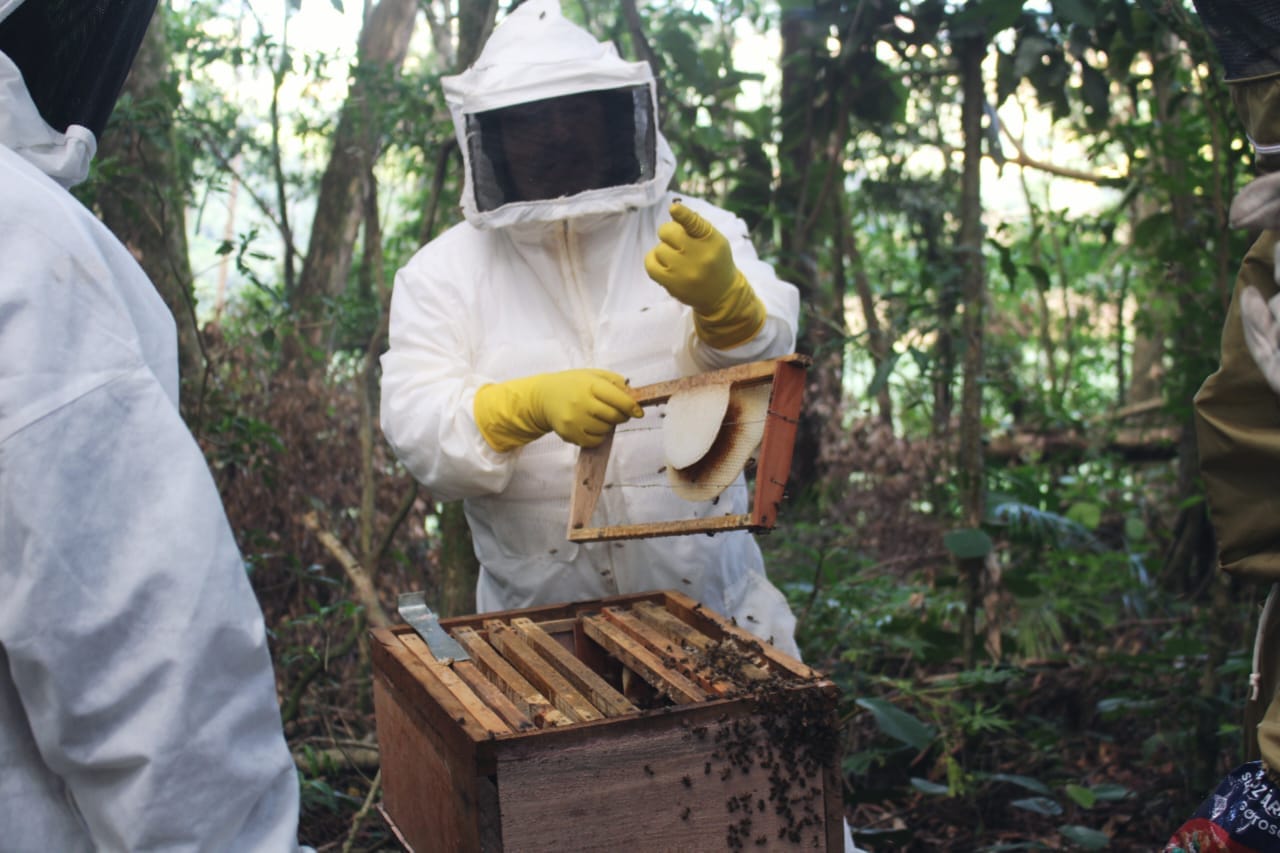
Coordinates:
x,y
773,462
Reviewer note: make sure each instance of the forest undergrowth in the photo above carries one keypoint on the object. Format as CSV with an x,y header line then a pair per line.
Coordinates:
x,y
1101,708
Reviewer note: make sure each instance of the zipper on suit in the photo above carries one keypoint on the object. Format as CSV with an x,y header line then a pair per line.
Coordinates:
x,y
581,304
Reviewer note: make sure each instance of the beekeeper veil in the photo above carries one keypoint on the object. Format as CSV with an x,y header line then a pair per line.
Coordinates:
x,y
74,55
554,125
1246,33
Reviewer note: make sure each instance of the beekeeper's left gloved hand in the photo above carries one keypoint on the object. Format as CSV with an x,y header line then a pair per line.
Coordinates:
x,y
694,263
1262,332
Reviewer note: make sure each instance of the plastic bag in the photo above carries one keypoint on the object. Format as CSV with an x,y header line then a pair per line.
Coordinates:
x,y
1241,816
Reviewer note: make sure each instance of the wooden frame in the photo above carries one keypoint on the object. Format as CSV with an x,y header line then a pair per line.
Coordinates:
x,y
554,744
786,375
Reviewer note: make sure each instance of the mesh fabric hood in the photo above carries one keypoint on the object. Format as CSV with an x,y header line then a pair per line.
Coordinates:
x,y
534,55
74,54
1246,33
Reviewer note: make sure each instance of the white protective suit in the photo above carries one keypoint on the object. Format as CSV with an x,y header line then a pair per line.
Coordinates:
x,y
137,703
541,286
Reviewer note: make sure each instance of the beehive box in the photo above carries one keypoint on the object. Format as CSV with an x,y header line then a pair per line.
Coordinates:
x,y
641,722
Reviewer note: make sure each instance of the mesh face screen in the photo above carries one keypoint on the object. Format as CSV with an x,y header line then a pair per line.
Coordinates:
x,y
1246,33
75,54
559,147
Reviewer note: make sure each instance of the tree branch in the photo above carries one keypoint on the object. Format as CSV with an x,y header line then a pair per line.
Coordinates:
x,y
1134,444
230,169
362,757
361,815
278,74
361,583
1028,162
635,28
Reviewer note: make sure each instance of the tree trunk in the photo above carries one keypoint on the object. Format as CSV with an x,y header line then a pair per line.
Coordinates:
x,y
1190,560
878,341
802,37
969,54
459,568
944,347
142,199
475,23
357,142
1146,371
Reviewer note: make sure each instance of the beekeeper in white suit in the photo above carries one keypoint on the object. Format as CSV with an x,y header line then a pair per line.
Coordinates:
x,y
137,703
576,272
513,333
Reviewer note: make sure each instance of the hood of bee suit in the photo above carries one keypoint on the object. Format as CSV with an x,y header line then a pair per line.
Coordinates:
x,y
554,125
63,64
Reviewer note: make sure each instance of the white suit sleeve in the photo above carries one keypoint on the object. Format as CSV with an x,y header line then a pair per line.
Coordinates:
x,y
429,386
137,665
781,299
134,640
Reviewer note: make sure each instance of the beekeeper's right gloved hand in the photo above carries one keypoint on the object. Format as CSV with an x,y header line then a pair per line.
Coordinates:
x,y
694,262
580,406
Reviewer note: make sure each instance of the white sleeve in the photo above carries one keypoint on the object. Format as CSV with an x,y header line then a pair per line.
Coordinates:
x,y
134,639
781,299
429,386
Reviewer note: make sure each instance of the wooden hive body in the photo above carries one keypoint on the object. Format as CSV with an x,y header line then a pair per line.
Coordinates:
x,y
641,722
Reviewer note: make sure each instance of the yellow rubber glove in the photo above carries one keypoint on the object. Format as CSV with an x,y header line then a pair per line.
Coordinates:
x,y
694,263
581,406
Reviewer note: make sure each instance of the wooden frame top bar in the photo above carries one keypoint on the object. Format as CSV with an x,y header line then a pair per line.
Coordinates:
x,y
752,373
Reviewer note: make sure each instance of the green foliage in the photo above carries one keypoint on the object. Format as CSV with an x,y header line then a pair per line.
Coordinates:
x,y
967,543
1094,653
317,793
899,725
1095,664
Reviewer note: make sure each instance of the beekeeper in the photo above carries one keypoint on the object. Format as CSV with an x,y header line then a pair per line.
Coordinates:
x,y
137,702
576,272
1236,416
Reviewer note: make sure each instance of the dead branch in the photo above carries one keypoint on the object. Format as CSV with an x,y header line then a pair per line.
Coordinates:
x,y
1133,409
363,813
361,583
1028,162
1136,444
402,512
338,758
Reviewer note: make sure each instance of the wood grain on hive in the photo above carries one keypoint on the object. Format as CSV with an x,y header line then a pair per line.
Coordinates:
x,y
642,722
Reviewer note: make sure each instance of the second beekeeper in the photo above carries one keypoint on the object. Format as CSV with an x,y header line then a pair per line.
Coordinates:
x,y
575,272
